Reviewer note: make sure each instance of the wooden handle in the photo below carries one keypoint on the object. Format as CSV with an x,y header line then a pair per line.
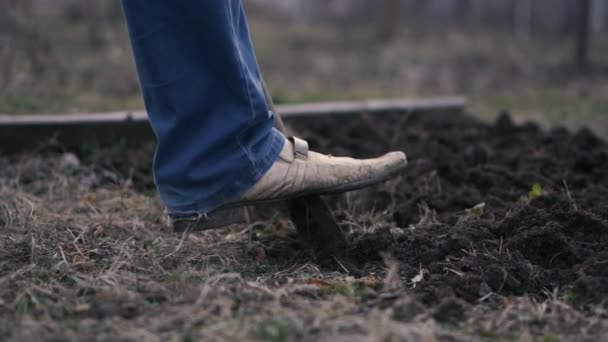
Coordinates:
x,y
317,228
278,121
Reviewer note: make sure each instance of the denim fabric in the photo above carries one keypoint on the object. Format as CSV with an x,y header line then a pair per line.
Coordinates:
x,y
203,93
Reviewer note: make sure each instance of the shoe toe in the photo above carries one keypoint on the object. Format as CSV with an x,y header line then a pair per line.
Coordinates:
x,y
394,160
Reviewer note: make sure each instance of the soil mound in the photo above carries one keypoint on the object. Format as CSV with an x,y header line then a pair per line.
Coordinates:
x,y
485,208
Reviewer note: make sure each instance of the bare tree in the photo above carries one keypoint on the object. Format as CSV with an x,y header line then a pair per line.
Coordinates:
x,y
391,19
598,12
583,33
523,14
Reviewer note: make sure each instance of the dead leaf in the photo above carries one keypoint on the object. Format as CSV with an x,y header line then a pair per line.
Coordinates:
x,y
82,308
260,254
78,259
371,281
320,283
89,198
98,231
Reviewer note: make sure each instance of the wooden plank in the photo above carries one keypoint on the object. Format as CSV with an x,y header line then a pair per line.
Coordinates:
x,y
374,106
27,131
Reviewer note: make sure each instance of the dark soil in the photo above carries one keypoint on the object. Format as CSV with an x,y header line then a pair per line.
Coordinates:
x,y
523,241
519,243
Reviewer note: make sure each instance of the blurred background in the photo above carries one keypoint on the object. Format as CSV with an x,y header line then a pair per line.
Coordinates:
x,y
539,59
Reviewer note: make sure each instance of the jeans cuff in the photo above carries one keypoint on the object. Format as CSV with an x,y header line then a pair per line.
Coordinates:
x,y
248,179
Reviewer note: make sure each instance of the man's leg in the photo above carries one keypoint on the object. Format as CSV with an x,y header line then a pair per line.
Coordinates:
x,y
204,96
203,93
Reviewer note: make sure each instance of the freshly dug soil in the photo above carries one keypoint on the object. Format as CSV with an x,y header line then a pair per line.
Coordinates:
x,y
541,224
542,218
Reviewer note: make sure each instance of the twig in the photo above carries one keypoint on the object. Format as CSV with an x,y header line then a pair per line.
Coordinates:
x,y
341,265
460,274
570,196
180,245
63,256
486,296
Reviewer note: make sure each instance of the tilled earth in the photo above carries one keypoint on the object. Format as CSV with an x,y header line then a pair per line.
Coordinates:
x,y
494,231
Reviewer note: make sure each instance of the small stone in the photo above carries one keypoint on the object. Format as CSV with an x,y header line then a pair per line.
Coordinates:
x,y
69,161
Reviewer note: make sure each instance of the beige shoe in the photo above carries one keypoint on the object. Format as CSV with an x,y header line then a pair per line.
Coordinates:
x,y
299,172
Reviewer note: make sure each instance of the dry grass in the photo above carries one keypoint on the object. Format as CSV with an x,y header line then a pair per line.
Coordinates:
x,y
83,258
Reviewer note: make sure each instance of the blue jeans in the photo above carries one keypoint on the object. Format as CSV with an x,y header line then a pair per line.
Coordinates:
x,y
203,93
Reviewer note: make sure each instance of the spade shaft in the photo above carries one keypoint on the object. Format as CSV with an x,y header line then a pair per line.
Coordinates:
x,y
317,227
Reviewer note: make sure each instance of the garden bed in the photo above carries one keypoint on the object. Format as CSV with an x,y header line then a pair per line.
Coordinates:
x,y
493,231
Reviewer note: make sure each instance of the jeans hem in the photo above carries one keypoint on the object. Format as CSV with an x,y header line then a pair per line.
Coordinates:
x,y
247,180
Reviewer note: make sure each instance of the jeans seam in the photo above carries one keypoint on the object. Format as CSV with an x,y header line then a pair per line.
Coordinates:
x,y
237,52
244,81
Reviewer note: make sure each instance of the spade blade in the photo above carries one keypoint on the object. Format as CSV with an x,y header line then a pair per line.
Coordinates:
x,y
317,227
